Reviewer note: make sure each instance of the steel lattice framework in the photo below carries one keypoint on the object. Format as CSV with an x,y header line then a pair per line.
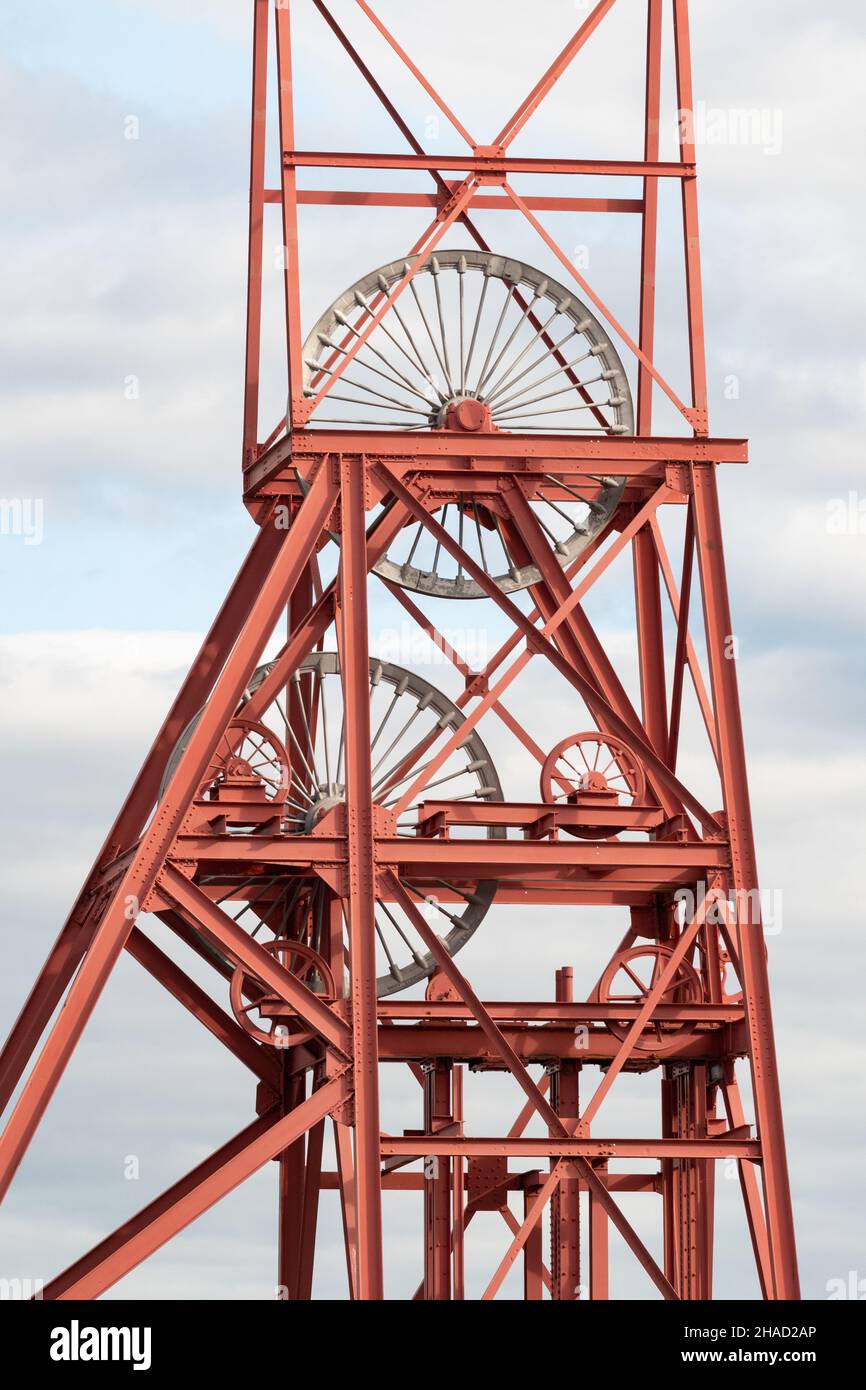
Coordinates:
x,y
292,823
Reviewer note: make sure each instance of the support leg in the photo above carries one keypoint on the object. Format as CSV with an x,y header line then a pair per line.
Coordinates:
x,y
437,1186
599,1287
361,896
753,954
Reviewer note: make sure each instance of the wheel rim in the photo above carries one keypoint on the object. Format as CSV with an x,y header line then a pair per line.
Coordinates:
x,y
592,762
307,966
629,978
249,746
476,342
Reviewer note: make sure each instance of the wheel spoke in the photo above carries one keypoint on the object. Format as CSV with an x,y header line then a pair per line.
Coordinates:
x,y
450,340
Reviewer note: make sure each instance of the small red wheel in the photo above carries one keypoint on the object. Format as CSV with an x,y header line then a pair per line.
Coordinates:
x,y
280,1026
629,978
249,749
592,767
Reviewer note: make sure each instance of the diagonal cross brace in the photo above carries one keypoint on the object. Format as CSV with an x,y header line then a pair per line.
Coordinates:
x,y
521,1075
193,1195
133,888
203,914
539,640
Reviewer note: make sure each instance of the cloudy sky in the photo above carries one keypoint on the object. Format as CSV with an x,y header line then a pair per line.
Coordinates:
x,y
122,264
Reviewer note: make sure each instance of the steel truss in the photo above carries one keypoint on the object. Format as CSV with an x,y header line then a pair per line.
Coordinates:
x,y
706,1002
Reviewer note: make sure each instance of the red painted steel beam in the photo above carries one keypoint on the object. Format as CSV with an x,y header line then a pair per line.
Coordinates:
x,y
311,628
542,88
71,944
539,1046
416,72
660,861
556,597
749,1187
681,653
599,1273
414,1181
444,188
565,1200
653,997
533,1250
649,221
559,1011
292,1172
446,192
619,330
459,982
459,202
438,1118
753,954
361,877
309,1227
691,242
256,227
193,1195
348,1201
311,464
291,277
651,647
539,640
678,603
222,930
619,454
427,1146
377,198
484,165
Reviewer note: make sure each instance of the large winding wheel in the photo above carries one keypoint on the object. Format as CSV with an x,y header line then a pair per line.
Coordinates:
x,y
296,751
477,343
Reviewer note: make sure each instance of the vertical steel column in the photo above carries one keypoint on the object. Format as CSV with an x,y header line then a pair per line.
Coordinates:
x,y
691,1178
348,1204
744,872
437,1185
683,1192
691,239
670,1226
258,126
649,216
646,570
565,1202
294,343
533,1250
310,1214
291,1167
361,887
599,1282
458,1189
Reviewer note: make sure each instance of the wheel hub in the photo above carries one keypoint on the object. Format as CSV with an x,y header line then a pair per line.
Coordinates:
x,y
466,413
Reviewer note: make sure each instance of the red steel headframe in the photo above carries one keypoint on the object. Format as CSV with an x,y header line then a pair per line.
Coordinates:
x,y
175,850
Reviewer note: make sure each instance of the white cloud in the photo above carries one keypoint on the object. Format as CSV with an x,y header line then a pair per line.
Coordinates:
x,y
124,259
